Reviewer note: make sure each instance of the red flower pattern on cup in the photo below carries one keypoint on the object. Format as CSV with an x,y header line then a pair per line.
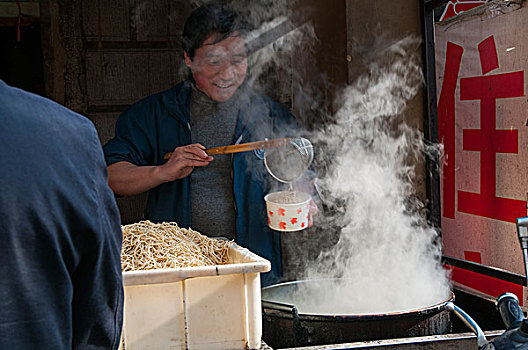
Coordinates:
x,y
299,211
293,221
282,225
281,212
271,213
302,224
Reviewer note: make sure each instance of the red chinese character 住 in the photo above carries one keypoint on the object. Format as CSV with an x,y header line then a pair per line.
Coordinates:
x,y
488,140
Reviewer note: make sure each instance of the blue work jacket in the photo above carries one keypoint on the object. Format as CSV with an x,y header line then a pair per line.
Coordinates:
x,y
159,123
61,285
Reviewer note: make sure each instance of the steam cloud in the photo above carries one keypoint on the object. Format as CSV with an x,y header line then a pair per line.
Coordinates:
x,y
386,257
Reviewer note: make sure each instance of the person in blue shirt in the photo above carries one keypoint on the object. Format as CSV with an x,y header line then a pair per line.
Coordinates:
x,y
220,196
60,256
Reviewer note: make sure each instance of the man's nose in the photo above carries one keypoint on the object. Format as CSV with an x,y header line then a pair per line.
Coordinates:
x,y
227,72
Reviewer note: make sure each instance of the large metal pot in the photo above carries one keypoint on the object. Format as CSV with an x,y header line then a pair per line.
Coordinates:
x,y
284,326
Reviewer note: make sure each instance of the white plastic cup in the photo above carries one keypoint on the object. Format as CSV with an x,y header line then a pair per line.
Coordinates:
x,y
288,210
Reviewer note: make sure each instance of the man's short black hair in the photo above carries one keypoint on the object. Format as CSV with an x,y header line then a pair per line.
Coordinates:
x,y
209,19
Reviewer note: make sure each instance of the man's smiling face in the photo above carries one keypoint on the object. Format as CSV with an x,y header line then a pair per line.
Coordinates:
x,y
219,69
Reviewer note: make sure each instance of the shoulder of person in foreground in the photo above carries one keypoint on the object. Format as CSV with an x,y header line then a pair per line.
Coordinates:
x,y
51,127
23,109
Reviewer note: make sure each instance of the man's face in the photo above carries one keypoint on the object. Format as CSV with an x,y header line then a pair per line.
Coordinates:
x,y
219,69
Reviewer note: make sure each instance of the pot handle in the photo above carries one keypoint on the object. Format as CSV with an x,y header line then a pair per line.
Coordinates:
x,y
300,332
468,321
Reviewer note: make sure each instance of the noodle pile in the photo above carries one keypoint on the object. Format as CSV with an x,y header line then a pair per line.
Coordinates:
x,y
148,246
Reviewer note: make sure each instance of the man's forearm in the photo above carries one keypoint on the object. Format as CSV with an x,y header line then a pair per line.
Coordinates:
x,y
125,178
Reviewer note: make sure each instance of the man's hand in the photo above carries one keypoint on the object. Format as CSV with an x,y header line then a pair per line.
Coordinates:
x,y
127,179
183,160
314,210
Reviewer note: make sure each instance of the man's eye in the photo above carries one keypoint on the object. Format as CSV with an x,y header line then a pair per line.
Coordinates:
x,y
215,63
237,61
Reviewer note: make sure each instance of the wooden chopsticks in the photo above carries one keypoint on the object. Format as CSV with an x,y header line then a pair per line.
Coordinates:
x,y
243,147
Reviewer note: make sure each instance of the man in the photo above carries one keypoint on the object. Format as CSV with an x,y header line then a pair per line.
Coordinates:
x,y
220,197
61,236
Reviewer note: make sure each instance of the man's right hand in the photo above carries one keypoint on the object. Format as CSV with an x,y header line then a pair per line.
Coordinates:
x,y
183,160
127,179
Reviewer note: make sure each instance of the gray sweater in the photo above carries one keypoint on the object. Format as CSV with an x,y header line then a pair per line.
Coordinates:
x,y
213,124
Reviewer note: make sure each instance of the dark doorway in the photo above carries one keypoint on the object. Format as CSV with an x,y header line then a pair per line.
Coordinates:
x,y
21,62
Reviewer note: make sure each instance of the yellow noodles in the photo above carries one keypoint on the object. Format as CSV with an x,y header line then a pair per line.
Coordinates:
x,y
148,246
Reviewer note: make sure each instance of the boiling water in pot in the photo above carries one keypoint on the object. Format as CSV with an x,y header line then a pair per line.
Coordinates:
x,y
337,297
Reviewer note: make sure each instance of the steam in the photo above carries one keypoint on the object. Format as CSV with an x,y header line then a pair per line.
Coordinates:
x,y
281,48
277,53
272,44
386,256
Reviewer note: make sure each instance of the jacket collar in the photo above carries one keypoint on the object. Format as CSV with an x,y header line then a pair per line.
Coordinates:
x,y
177,101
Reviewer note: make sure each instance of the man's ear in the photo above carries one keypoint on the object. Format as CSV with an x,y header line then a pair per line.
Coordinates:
x,y
188,61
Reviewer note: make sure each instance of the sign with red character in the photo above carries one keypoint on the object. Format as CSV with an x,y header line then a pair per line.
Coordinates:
x,y
456,7
481,63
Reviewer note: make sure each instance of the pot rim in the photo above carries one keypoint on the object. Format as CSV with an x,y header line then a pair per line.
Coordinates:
x,y
279,307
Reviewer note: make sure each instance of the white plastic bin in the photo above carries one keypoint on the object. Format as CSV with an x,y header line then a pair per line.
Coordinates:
x,y
210,307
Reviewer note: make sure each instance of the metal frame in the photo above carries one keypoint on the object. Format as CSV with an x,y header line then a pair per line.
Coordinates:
x,y
432,164
485,270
